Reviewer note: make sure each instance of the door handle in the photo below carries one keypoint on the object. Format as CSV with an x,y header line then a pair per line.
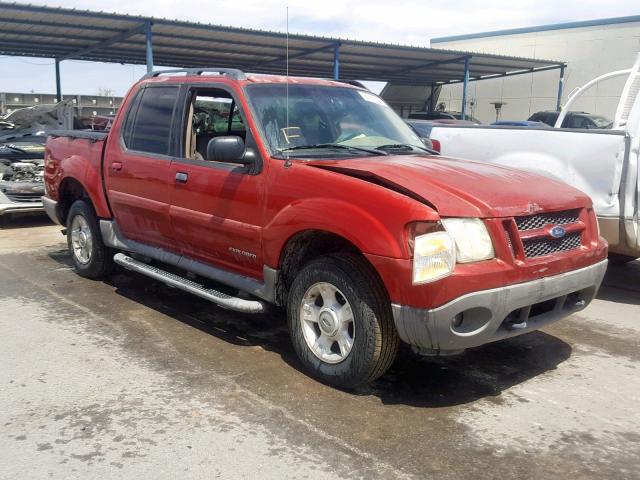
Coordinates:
x,y
181,177
116,166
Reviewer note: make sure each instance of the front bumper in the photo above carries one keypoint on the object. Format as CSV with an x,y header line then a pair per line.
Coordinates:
x,y
489,315
30,207
28,201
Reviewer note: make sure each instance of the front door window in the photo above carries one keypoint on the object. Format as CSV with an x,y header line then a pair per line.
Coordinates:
x,y
211,114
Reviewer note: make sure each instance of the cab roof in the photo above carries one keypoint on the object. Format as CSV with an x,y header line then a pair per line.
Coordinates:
x,y
232,75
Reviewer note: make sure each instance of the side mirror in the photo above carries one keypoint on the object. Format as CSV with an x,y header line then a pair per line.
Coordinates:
x,y
230,149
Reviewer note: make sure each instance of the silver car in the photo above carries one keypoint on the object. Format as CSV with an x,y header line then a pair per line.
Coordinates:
x,y
21,177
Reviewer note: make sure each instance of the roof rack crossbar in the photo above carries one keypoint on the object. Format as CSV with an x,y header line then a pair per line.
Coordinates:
x,y
231,72
355,83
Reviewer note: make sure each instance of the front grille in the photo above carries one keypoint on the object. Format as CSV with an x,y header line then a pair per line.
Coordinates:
x,y
537,247
532,222
24,197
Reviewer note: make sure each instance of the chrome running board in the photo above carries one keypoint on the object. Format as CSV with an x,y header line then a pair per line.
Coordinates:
x,y
221,299
264,290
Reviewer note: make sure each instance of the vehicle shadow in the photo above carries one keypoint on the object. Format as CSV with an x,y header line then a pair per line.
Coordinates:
x,y
427,382
24,221
621,284
478,373
61,256
413,380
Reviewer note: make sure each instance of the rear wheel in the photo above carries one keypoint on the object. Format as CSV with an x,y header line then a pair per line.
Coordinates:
x,y
618,259
340,321
90,257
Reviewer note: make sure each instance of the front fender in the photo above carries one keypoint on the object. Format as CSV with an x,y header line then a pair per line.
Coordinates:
x,y
341,218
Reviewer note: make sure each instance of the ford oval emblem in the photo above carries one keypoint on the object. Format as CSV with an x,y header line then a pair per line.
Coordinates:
x,y
558,232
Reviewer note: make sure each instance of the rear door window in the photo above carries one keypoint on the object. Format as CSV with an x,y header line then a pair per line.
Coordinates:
x,y
150,130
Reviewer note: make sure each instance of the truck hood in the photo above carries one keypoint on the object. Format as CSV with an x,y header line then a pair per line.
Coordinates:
x,y
461,188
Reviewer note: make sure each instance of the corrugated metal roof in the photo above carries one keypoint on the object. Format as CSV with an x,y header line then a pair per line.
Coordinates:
x,y
38,31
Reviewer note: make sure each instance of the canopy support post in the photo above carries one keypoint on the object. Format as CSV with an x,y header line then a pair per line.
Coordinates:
x,y
58,84
149,45
465,85
432,100
336,61
560,88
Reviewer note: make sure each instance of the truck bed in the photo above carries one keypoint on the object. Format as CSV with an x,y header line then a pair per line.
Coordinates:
x,y
87,144
77,154
85,134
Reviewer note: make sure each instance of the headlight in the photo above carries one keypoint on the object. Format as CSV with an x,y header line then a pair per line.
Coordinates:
x,y
434,256
473,242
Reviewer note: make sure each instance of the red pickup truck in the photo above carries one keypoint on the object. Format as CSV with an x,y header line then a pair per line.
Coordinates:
x,y
315,196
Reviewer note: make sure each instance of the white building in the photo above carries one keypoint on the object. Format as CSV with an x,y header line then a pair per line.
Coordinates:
x,y
589,49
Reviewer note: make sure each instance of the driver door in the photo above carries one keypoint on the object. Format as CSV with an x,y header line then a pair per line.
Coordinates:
x,y
215,206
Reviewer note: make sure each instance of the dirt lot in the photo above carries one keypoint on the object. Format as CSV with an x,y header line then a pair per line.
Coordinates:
x,y
127,379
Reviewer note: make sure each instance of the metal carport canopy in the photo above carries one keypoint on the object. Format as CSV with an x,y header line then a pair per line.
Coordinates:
x,y
60,33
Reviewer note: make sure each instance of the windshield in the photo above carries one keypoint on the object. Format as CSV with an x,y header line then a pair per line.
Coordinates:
x,y
327,116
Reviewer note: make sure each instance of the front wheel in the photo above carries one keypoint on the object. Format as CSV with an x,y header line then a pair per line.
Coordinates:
x,y
90,257
340,321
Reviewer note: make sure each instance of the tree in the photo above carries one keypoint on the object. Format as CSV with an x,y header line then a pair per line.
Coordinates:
x,y
105,92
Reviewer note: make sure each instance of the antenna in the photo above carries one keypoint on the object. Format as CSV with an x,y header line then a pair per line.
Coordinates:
x,y
287,74
287,163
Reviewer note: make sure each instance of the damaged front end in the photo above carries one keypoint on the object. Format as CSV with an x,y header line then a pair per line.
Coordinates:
x,y
35,123
21,177
23,134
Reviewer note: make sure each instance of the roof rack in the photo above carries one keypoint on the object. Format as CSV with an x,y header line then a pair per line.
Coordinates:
x,y
231,72
355,83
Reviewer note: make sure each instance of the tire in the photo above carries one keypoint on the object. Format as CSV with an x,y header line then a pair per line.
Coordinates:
x,y
90,257
619,259
373,337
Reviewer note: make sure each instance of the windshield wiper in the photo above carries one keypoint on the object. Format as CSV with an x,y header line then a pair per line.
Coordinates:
x,y
403,147
340,146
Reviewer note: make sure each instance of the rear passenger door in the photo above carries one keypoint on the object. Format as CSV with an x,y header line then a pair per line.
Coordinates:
x,y
138,163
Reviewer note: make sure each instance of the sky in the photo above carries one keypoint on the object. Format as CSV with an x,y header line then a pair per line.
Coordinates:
x,y
409,22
